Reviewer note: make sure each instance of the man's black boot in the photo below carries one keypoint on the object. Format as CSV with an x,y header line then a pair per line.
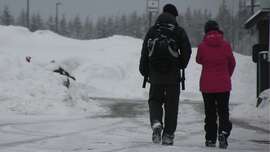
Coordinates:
x,y
167,139
222,138
156,136
210,143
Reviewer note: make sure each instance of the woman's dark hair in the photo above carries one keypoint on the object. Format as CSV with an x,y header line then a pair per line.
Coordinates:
x,y
211,25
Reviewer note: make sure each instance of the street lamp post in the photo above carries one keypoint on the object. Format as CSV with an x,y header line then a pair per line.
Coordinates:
x,y
152,8
56,16
28,14
269,48
252,6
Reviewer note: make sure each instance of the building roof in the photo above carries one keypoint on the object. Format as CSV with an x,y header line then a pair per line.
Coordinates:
x,y
263,14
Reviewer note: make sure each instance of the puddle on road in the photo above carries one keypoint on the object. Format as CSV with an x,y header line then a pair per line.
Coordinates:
x,y
127,110
131,108
124,109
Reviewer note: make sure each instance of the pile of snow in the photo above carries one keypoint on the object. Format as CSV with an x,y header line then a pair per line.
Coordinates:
x,y
257,116
265,96
264,105
34,89
102,68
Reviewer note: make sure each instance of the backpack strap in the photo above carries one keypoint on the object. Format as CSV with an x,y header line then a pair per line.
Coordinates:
x,y
152,49
175,54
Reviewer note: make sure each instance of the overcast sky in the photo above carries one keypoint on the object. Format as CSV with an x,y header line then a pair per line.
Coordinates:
x,y
95,8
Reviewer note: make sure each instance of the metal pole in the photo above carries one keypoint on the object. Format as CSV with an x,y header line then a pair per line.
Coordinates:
x,y
232,24
56,16
150,19
269,49
149,14
152,8
252,6
269,39
28,14
158,6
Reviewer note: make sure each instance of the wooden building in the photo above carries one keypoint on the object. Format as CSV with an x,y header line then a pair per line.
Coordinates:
x,y
261,50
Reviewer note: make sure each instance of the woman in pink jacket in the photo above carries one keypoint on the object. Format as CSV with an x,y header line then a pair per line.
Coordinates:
x,y
218,63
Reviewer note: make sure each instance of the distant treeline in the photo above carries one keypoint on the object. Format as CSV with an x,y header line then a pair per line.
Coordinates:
x,y
136,25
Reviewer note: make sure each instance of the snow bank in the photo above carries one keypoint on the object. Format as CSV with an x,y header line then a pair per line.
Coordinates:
x,y
102,68
33,89
265,96
257,116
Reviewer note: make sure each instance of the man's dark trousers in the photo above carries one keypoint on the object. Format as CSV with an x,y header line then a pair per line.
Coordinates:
x,y
216,103
167,95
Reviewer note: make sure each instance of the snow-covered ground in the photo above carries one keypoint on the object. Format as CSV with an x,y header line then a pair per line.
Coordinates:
x,y
39,114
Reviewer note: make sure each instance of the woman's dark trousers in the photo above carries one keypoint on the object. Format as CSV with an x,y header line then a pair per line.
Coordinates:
x,y
216,105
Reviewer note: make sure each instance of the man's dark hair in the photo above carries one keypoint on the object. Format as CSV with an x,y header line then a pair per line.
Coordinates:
x,y
170,8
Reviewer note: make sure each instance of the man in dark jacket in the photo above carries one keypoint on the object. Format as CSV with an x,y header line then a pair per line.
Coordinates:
x,y
165,87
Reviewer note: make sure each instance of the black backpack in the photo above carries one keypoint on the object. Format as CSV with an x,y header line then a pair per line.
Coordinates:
x,y
162,48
